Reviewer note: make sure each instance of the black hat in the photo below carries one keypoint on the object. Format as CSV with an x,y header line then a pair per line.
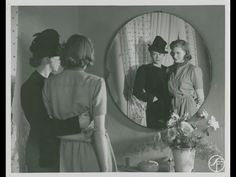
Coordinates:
x,y
45,43
158,45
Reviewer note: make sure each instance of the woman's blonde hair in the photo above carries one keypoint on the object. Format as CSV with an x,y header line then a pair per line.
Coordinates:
x,y
78,51
184,45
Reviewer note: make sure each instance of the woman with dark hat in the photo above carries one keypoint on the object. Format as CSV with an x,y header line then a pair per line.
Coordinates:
x,y
42,148
185,82
150,85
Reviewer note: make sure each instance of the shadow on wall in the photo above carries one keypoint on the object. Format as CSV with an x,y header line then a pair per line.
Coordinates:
x,y
13,81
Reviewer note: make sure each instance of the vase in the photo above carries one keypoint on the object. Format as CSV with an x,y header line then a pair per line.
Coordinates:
x,y
184,159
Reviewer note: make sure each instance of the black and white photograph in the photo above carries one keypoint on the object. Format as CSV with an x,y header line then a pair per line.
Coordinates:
x,y
136,89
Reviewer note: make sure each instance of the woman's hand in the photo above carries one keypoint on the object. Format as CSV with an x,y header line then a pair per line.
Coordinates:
x,y
200,97
87,129
84,120
88,132
155,99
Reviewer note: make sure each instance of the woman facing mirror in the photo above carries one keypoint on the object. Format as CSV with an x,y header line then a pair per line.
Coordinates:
x,y
72,92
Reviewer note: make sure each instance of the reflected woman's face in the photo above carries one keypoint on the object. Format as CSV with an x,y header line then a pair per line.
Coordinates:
x,y
157,58
178,54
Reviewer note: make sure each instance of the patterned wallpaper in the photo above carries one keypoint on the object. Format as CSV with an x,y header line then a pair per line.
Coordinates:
x,y
14,26
14,36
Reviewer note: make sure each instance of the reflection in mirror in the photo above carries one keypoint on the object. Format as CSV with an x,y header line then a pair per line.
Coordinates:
x,y
131,50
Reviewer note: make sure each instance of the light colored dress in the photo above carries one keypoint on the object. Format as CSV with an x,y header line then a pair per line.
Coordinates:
x,y
71,93
182,84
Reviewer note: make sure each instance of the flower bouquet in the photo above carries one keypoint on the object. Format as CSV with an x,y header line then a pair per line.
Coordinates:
x,y
187,138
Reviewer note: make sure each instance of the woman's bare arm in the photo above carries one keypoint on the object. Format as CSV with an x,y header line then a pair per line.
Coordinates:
x,y
101,142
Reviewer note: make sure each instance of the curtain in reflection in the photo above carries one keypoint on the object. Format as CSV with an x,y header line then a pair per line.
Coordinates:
x,y
133,40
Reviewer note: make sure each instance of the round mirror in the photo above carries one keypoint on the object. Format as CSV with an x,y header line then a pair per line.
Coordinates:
x,y
142,88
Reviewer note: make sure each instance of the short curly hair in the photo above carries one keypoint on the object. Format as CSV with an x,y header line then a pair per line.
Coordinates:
x,y
78,51
184,45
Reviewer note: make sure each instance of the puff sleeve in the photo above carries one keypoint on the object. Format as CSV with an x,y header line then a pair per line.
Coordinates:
x,y
197,78
99,98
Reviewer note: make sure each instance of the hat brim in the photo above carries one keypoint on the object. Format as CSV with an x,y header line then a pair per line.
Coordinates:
x,y
151,48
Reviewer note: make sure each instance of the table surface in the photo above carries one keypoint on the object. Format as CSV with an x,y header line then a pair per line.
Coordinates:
x,y
136,169
164,166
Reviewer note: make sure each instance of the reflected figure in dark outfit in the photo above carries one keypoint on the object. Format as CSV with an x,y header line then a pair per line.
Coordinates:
x,y
42,148
150,86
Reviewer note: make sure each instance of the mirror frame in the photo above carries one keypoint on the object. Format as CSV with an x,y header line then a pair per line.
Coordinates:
x,y
107,73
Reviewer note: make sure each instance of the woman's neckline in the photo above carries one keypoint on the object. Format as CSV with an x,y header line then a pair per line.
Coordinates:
x,y
178,65
157,66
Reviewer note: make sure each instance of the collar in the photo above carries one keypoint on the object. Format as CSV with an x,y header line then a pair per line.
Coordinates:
x,y
38,76
157,66
178,65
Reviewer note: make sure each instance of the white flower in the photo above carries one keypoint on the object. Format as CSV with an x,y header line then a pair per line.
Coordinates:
x,y
213,123
171,133
171,122
173,119
186,115
204,114
186,128
175,116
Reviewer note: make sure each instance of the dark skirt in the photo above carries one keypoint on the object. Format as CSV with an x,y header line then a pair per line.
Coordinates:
x,y
157,114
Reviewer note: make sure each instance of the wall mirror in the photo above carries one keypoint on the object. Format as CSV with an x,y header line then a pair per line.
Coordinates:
x,y
128,50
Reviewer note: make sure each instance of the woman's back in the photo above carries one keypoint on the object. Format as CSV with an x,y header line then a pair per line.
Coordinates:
x,y
73,92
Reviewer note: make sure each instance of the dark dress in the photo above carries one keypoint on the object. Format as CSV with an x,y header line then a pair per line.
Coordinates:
x,y
151,81
42,149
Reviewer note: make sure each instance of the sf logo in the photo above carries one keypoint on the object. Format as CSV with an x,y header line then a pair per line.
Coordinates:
x,y
216,163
